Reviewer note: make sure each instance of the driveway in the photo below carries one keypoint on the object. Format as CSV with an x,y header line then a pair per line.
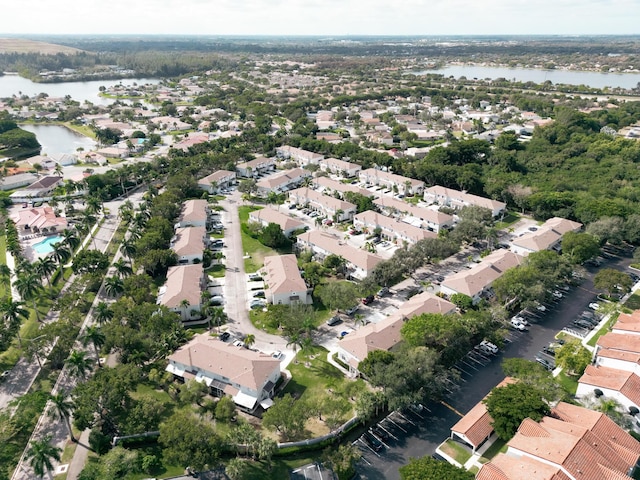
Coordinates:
x,y
425,434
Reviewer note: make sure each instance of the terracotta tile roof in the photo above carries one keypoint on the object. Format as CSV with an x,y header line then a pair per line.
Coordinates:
x,y
547,235
422,213
194,210
216,177
334,164
283,178
335,186
619,341
305,194
623,381
400,230
465,198
619,355
240,365
506,467
372,173
628,322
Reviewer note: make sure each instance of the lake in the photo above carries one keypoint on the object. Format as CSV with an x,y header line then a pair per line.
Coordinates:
x,y
80,91
57,139
590,79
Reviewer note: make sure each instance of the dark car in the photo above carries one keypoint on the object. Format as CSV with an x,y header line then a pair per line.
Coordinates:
x,y
375,444
368,299
379,432
259,294
545,363
549,351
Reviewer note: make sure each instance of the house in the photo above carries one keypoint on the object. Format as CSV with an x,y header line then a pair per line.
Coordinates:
x,y
189,243
217,180
195,213
170,124
181,293
255,168
265,216
573,443
282,182
38,219
298,155
547,237
340,167
476,281
418,216
456,199
328,186
385,334
284,283
113,152
64,159
396,183
248,377
330,207
16,181
190,140
393,230
476,427
604,382
359,262
39,190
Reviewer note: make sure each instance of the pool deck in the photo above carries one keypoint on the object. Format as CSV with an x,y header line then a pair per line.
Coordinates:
x,y
28,243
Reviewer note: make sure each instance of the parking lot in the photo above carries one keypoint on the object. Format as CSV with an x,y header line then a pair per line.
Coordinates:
x,y
416,434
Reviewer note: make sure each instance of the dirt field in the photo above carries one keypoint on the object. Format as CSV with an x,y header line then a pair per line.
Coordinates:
x,y
28,46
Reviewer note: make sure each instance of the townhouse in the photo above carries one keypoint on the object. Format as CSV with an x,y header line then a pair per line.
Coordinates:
x,y
330,207
403,185
298,155
359,262
328,186
255,168
195,213
397,232
248,377
547,237
448,197
268,215
284,284
189,243
385,334
476,281
217,180
573,443
340,167
282,182
182,291
417,216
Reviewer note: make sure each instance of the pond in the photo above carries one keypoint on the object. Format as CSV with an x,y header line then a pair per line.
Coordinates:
x,y
56,139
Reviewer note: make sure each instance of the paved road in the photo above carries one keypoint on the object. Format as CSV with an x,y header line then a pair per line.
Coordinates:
x,y
423,437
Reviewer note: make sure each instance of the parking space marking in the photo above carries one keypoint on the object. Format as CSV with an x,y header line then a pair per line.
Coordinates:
x,y
390,434
451,408
412,423
396,424
368,447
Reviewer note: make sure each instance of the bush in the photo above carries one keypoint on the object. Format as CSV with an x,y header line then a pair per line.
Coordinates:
x,y
99,442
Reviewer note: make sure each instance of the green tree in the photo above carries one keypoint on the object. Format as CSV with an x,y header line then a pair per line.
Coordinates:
x,y
580,247
78,364
192,392
573,357
94,336
287,416
41,455
339,295
13,312
612,281
511,404
63,409
272,236
342,460
236,469
225,409
90,261
28,287
462,301
427,468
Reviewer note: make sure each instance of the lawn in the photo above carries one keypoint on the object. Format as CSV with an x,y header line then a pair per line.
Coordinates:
x,y
498,446
509,219
605,329
633,302
280,468
216,271
259,318
456,451
568,383
253,247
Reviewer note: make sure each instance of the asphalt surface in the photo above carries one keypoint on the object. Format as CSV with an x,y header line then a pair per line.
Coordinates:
x,y
427,429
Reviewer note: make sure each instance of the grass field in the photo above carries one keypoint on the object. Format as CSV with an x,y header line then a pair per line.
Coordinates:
x,y
18,45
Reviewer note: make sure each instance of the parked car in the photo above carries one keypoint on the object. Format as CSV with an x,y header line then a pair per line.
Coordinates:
x,y
238,343
594,306
582,324
383,291
548,364
375,444
518,325
549,350
541,308
488,347
277,354
216,300
4,375
352,310
335,320
255,277
259,294
224,336
257,303
557,294
521,319
379,432
368,299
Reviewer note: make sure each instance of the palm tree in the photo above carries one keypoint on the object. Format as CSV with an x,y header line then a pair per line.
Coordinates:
x,y
12,312
40,455
63,408
94,205
102,313
5,273
123,269
60,253
128,248
94,336
28,287
249,340
113,286
79,365
58,170
44,267
71,239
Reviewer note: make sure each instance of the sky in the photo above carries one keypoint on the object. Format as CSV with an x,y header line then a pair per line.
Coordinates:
x,y
321,17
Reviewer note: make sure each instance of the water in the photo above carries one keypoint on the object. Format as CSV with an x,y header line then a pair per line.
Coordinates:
x,y
590,79
56,139
46,246
80,91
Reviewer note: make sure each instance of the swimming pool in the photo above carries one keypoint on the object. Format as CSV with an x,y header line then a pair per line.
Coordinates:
x,y
46,245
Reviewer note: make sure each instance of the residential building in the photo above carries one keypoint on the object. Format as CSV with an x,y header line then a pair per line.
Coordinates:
x,y
476,281
359,262
182,292
392,230
195,213
548,236
16,181
113,152
248,377
456,199
268,215
189,243
217,180
39,190
610,383
340,167
422,217
38,220
284,283
403,185
573,443
298,155
330,207
192,139
385,334
329,186
64,159
282,182
255,168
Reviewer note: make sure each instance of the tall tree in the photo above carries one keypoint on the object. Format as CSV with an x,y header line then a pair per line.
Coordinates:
x,y
63,409
12,314
427,468
93,335
78,364
41,455
28,287
45,267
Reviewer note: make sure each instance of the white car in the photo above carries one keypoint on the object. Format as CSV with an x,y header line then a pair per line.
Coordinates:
x,y
488,347
518,325
238,343
521,319
594,306
557,294
541,308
